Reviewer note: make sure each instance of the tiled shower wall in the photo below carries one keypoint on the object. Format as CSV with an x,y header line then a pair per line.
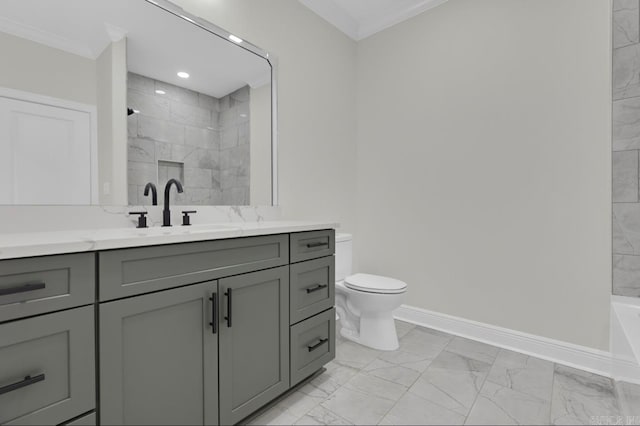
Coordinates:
x,y
196,138
626,147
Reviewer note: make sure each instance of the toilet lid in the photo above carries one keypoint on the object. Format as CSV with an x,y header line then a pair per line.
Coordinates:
x,y
375,284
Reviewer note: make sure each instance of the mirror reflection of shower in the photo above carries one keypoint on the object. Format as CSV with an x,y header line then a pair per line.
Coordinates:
x,y
200,140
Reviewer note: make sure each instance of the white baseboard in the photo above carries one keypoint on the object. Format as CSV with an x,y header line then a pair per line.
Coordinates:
x,y
584,358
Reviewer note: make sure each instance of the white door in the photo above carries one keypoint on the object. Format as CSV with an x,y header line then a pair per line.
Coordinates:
x,y
45,154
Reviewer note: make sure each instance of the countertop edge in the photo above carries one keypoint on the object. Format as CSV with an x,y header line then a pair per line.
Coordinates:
x,y
16,246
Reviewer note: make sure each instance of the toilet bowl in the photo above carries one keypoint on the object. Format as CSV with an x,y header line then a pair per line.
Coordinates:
x,y
365,302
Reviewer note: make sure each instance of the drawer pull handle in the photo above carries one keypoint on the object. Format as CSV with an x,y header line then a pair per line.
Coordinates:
x,y
317,345
23,288
318,244
316,287
26,382
228,317
214,313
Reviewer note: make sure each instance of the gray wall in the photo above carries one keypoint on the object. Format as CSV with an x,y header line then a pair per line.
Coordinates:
x,y
487,187
198,139
626,146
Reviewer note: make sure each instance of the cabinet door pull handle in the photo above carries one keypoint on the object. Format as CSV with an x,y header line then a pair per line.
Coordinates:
x,y
316,287
317,345
318,244
23,288
214,313
22,383
229,304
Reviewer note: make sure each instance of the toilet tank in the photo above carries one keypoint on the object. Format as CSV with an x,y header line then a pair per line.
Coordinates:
x,y
343,256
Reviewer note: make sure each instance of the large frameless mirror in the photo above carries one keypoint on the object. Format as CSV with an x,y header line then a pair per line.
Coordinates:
x,y
101,98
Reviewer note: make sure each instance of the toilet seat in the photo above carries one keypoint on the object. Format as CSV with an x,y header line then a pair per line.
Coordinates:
x,y
375,284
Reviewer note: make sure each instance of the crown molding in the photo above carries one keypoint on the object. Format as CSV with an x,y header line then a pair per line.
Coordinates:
x,y
335,15
385,20
380,20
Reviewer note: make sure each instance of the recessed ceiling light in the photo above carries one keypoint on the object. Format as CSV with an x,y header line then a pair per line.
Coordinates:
x,y
235,39
161,92
183,74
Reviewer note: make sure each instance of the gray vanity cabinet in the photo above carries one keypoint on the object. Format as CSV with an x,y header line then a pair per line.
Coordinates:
x,y
159,358
254,341
196,333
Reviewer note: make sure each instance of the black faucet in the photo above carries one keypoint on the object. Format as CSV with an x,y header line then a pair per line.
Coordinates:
x,y
154,193
166,213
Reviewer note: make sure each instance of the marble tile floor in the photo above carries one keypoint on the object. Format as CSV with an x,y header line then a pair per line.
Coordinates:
x,y
437,378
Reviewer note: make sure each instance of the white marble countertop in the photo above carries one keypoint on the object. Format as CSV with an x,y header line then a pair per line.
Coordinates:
x,y
48,243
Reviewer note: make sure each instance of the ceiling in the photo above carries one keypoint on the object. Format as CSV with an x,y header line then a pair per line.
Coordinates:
x,y
361,18
159,44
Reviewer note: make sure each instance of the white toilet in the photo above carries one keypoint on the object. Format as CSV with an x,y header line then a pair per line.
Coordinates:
x,y
365,303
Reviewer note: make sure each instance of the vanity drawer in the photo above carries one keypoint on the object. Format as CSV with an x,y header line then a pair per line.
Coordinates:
x,y
48,368
312,288
312,244
313,344
141,270
38,285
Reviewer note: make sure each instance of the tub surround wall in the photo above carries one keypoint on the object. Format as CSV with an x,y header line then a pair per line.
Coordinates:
x,y
626,148
195,138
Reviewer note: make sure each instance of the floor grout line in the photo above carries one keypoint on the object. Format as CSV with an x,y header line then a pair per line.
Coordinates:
x,y
393,406
475,400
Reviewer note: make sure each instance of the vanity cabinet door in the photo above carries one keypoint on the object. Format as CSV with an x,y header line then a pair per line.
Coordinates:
x,y
254,341
159,358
